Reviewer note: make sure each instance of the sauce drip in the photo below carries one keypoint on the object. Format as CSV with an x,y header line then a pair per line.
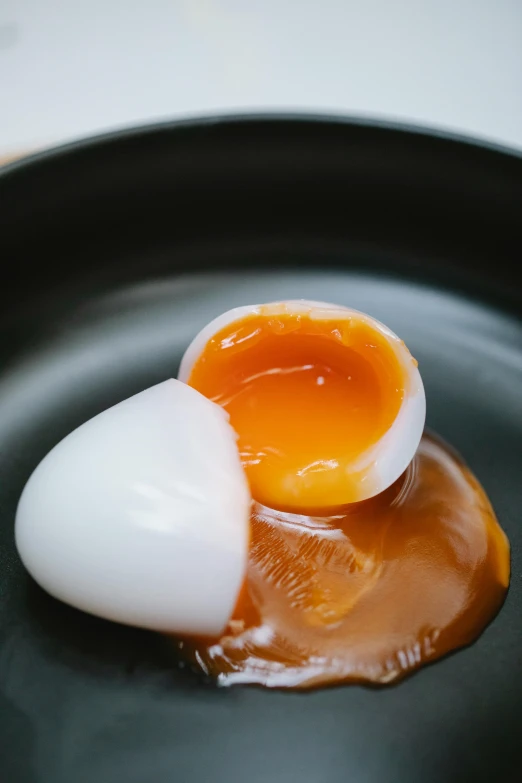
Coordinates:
x,y
370,594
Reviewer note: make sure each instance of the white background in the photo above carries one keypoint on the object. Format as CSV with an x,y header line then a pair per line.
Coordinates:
x,y
70,68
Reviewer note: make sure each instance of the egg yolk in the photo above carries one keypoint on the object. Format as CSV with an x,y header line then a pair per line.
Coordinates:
x,y
368,595
308,402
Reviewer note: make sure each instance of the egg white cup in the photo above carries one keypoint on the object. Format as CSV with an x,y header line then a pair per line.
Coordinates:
x,y
141,515
385,461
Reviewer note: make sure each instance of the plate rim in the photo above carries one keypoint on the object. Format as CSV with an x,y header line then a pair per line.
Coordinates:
x,y
425,133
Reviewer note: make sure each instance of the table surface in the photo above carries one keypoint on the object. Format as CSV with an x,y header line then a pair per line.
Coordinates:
x,y
69,70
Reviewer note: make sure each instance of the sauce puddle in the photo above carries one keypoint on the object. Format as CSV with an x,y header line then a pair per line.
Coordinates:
x,y
367,595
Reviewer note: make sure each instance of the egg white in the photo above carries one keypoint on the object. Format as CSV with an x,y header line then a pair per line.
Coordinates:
x,y
141,515
383,463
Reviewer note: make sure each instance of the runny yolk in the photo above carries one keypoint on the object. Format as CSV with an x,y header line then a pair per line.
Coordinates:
x,y
311,398
368,595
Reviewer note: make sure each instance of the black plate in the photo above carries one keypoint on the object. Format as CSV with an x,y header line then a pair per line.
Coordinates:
x,y
113,254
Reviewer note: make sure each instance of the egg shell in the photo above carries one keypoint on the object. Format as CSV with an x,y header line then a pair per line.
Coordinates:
x,y
382,464
141,515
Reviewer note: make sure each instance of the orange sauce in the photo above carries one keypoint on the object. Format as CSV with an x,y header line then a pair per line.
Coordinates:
x,y
306,396
368,595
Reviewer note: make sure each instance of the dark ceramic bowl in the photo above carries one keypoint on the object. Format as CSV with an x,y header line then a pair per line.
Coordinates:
x,y
113,253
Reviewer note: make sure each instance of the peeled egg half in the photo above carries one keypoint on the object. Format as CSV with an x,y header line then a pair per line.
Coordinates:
x,y
327,402
141,515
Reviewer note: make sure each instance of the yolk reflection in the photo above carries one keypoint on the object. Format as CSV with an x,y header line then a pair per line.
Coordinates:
x,y
369,595
307,402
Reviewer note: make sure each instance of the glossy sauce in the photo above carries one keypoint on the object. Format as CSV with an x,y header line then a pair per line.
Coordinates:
x,y
368,595
307,396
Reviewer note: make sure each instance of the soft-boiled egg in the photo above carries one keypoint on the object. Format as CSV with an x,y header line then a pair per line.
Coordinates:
x,y
327,402
141,515
359,568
